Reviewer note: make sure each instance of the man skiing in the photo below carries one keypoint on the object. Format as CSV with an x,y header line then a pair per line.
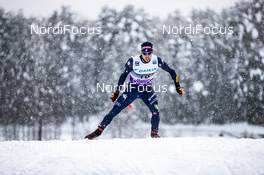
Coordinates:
x,y
141,70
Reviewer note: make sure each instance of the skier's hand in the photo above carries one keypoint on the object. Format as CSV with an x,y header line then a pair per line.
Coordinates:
x,y
181,91
114,96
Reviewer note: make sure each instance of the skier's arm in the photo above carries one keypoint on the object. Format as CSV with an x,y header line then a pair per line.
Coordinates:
x,y
123,76
163,65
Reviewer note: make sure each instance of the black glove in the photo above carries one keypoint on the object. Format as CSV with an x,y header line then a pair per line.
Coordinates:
x,y
114,96
180,91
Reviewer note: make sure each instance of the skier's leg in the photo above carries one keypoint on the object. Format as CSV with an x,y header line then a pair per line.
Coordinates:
x,y
150,99
123,101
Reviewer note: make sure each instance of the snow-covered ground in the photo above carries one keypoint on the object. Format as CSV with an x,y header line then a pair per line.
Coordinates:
x,y
164,156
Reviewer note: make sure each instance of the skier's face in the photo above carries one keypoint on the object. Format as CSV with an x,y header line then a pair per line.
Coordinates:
x,y
146,53
146,58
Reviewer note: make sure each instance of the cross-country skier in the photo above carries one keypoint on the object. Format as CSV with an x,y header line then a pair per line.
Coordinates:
x,y
141,70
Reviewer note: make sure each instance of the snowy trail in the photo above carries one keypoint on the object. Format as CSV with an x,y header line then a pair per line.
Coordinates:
x,y
176,156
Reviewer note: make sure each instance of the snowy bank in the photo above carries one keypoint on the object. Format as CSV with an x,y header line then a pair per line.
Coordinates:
x,y
183,156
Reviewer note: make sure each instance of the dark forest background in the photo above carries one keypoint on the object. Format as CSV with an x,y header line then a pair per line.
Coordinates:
x,y
47,79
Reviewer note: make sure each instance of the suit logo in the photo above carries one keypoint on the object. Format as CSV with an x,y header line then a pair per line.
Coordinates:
x,y
136,63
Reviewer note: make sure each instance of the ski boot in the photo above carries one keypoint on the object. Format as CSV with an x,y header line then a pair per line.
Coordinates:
x,y
95,134
154,134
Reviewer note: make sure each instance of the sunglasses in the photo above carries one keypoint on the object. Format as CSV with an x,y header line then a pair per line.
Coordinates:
x,y
146,53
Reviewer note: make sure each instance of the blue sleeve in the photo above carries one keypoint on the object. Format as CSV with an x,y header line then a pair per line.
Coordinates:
x,y
163,65
128,69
